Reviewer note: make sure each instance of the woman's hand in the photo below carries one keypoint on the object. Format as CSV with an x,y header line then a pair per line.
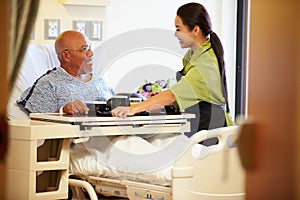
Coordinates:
x,y
151,94
121,111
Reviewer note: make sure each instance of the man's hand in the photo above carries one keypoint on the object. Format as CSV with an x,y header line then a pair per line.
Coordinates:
x,y
76,107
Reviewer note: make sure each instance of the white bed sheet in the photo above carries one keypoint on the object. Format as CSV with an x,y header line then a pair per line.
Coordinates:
x,y
134,158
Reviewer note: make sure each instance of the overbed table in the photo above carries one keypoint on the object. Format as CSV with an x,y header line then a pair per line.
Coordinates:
x,y
41,172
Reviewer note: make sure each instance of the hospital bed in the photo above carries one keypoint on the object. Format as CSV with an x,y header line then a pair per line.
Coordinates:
x,y
39,166
197,172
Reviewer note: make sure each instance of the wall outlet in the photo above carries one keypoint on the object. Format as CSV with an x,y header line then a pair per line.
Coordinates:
x,y
95,30
52,28
81,26
92,29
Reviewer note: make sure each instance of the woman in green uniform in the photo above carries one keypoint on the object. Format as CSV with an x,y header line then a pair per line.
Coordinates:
x,y
201,86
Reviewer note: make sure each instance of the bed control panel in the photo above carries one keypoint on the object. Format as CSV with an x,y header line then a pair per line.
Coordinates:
x,y
147,194
111,190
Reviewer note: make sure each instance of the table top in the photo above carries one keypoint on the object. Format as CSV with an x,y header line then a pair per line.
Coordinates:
x,y
55,125
67,118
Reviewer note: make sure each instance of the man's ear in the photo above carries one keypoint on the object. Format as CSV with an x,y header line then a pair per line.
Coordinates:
x,y
65,55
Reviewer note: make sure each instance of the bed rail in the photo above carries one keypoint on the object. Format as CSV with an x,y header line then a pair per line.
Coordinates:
x,y
213,172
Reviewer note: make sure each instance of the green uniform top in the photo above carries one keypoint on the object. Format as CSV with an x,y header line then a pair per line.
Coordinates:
x,y
201,80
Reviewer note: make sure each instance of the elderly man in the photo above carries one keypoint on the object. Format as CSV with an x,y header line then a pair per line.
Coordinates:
x,y
65,88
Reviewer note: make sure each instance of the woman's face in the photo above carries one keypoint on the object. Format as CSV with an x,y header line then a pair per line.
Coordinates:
x,y
184,34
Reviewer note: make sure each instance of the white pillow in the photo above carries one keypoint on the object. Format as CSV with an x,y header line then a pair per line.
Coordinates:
x,y
38,59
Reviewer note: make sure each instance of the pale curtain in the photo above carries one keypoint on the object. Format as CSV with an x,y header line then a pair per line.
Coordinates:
x,y
22,14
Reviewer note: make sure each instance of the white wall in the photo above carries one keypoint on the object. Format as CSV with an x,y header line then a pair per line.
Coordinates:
x,y
141,45
139,42
66,13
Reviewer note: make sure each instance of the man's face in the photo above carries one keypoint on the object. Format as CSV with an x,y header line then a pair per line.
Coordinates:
x,y
80,56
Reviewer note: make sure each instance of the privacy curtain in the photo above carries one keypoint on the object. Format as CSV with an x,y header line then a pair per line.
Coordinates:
x,y
22,17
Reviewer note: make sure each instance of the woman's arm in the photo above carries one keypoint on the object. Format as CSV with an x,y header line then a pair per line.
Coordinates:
x,y
158,101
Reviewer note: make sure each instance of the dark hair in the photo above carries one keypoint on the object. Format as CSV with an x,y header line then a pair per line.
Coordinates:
x,y
195,14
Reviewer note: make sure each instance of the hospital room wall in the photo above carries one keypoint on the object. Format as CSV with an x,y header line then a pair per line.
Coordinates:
x,y
128,71
65,12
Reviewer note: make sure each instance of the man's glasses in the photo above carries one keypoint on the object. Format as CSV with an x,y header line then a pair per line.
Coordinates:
x,y
82,49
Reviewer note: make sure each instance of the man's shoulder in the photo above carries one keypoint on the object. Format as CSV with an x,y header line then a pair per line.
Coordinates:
x,y
52,74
